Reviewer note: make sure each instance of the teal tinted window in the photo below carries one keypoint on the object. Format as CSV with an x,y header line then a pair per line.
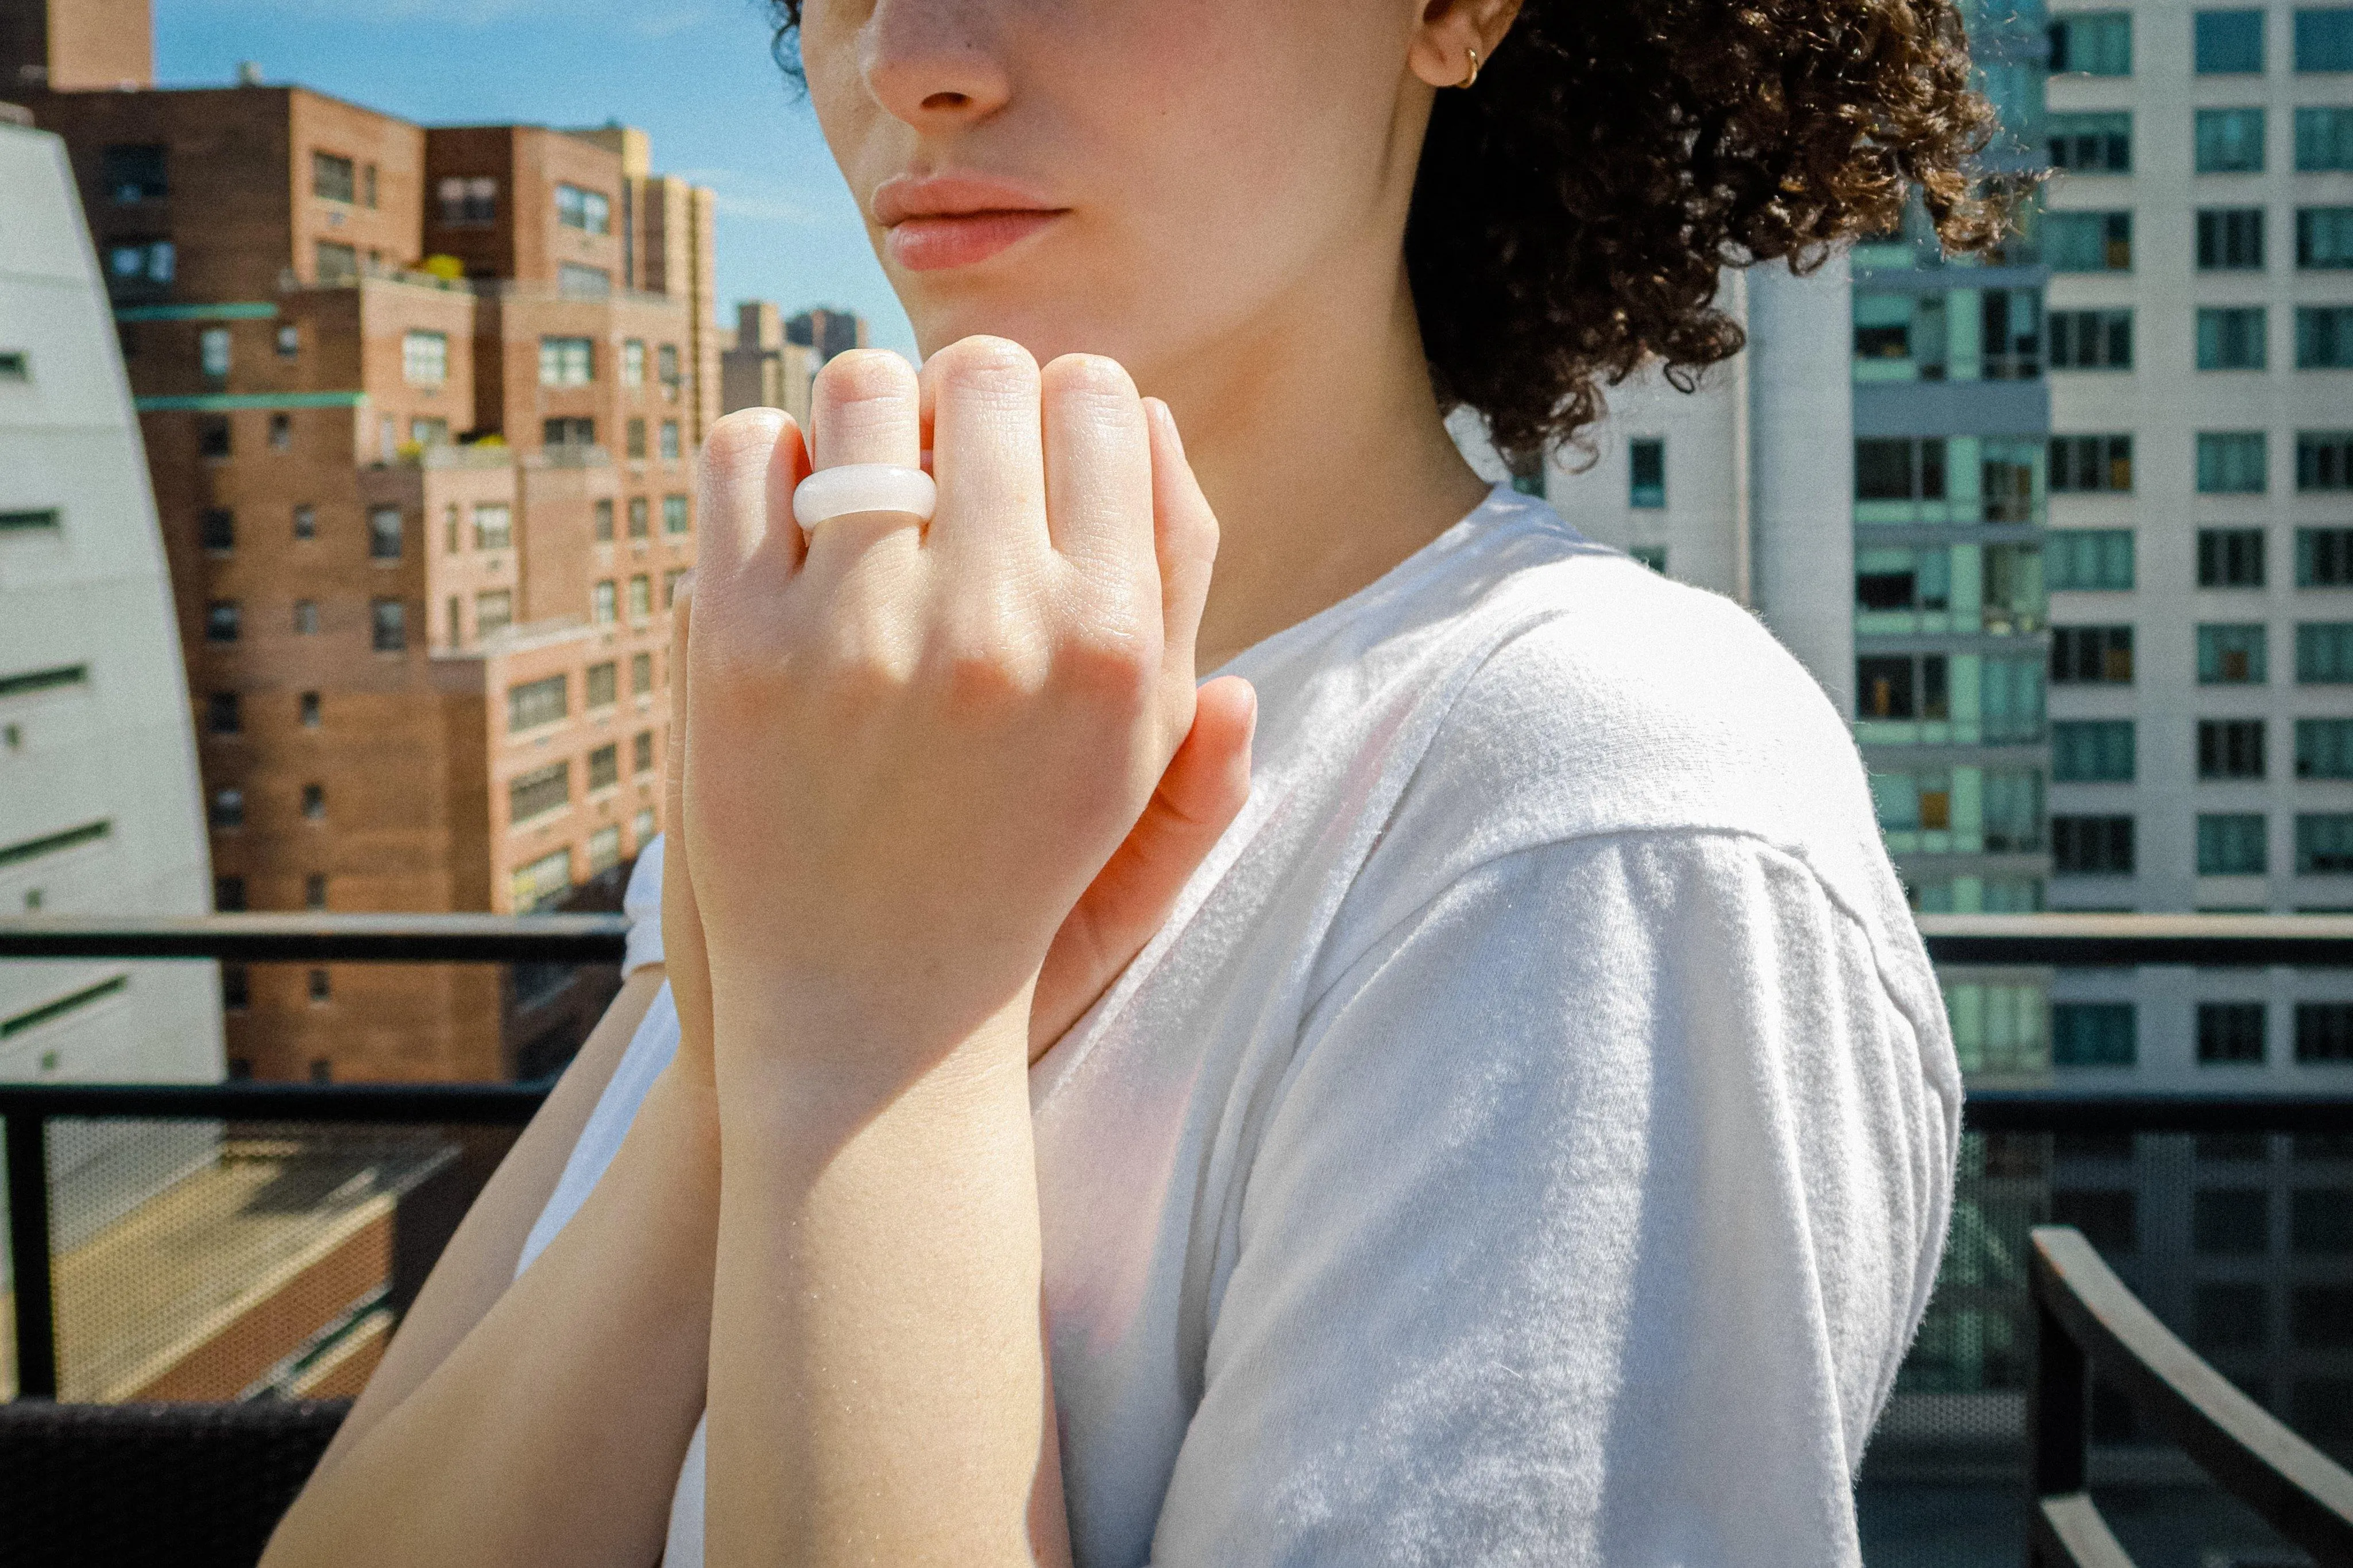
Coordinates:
x,y
2088,242
2324,140
2324,844
2091,143
2323,337
2094,560
2324,460
2324,748
2323,557
2323,653
2232,462
2230,845
2093,1035
2229,43
2094,43
2230,339
1646,474
2324,238
2092,751
2230,140
2324,39
2232,655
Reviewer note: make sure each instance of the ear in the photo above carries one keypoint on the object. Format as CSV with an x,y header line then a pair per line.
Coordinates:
x,y
1448,32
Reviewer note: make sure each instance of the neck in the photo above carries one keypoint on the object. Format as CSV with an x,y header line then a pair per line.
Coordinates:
x,y
1316,437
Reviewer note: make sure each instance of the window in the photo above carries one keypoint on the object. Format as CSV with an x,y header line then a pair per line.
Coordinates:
x,y
290,341
566,362
314,891
33,520
2323,1031
2324,748
588,211
602,604
1654,556
641,674
2230,748
213,352
542,883
2230,1221
2324,140
2227,1032
604,850
493,525
642,826
641,752
424,432
134,173
2092,751
281,432
2230,43
321,989
2094,1033
306,617
308,710
2233,462
539,792
2323,38
2091,339
666,370
2088,559
493,612
1907,685
218,529
2230,557
2323,337
383,534
1646,474
2229,239
2091,143
15,365
223,713
671,580
2231,655
221,621
425,358
228,895
2230,339
579,282
2323,557
2088,463
674,514
2324,844
604,529
2088,241
670,441
228,808
1899,470
2324,238
213,437
604,767
389,619
2091,655
306,522
2230,1316
2093,43
2323,653
639,527
642,598
2324,460
467,200
140,266
2092,846
562,433
536,702
314,802
2230,845
2228,142
331,177
633,362
604,685
335,264
635,441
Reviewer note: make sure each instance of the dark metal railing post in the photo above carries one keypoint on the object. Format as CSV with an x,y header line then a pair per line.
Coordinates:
x,y
27,1133
2058,1427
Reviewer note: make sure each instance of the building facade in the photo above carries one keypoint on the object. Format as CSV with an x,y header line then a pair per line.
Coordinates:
x,y
420,406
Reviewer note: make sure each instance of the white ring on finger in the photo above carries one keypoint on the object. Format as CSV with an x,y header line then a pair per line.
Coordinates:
x,y
830,493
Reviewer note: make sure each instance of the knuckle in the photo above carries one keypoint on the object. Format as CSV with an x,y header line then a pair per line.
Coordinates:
x,y
1090,375
1108,664
861,375
744,439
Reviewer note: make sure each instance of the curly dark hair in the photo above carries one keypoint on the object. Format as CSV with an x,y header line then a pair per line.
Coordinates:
x,y
1574,211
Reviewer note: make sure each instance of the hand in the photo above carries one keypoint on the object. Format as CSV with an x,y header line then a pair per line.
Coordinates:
x,y
908,754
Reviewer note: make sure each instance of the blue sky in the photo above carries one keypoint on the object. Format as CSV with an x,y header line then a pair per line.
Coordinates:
x,y
694,74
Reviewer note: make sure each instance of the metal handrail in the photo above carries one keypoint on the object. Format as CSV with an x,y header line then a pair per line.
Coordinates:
x,y
322,938
2086,1320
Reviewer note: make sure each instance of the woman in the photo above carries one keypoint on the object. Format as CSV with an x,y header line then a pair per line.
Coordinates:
x,y
1508,1118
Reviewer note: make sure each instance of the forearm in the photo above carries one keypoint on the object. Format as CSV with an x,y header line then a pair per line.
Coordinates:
x,y
878,1370
552,1432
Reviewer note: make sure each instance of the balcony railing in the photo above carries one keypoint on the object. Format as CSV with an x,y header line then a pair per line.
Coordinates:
x,y
318,1208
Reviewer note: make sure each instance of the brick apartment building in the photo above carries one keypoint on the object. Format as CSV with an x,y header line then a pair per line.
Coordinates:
x,y
420,406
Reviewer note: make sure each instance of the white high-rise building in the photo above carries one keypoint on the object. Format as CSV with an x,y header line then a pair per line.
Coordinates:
x,y
99,802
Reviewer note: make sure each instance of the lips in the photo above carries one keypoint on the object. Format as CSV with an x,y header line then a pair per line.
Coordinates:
x,y
941,221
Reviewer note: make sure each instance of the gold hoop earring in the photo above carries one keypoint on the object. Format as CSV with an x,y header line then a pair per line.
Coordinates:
x,y
1472,80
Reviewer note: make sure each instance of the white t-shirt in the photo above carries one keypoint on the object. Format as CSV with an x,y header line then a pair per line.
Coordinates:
x,y
1531,1138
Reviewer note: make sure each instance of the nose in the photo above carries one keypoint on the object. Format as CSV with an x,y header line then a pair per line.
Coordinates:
x,y
934,63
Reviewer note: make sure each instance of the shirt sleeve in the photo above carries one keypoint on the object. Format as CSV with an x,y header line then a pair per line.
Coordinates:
x,y
1587,1225
642,903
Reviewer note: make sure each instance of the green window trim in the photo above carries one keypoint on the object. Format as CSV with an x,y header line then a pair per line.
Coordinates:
x,y
34,1017
55,843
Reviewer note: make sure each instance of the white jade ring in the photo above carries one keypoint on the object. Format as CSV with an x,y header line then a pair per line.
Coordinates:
x,y
830,493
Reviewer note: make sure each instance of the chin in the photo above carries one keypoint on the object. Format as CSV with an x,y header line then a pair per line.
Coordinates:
x,y
1046,327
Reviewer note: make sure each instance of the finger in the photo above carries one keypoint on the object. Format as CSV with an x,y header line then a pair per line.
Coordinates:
x,y
736,469
988,456
1184,538
683,957
1099,497
866,407
1205,786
